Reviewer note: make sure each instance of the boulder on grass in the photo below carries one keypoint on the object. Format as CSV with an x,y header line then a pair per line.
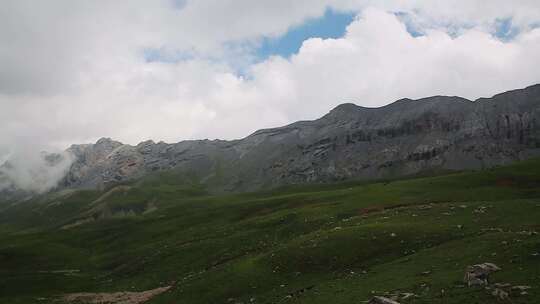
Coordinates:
x,y
479,274
382,300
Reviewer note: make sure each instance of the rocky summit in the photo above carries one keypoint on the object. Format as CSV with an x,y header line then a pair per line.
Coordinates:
x,y
351,142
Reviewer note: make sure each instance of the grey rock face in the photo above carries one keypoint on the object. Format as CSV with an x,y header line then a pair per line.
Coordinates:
x,y
403,138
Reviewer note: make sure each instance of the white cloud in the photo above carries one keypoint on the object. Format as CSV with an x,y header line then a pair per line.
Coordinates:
x,y
33,171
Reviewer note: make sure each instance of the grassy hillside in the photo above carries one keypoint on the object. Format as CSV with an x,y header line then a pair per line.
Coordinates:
x,y
338,243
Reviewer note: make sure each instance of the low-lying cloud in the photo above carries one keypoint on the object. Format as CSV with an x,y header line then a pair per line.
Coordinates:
x,y
34,172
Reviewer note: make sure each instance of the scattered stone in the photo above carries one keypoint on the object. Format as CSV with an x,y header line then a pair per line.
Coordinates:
x,y
502,285
407,295
500,294
520,288
299,292
480,210
492,229
479,274
382,300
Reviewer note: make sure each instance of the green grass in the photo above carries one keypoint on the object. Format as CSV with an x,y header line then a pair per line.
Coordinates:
x,y
340,243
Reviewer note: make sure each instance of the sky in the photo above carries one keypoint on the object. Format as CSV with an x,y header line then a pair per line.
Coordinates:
x,y
76,71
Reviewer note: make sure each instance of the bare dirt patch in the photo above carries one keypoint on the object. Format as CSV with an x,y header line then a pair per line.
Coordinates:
x,y
505,182
122,297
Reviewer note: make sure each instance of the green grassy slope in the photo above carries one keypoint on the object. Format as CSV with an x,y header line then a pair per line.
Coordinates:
x,y
342,243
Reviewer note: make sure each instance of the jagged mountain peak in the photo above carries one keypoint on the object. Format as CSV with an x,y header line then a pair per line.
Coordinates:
x,y
146,143
108,142
346,108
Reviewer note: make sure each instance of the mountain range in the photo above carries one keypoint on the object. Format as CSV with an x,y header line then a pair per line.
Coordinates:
x,y
403,138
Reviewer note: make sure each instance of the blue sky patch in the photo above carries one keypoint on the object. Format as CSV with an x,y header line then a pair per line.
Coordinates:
x,y
178,4
504,29
331,25
410,24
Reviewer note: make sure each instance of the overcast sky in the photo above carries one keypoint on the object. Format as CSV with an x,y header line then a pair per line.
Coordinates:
x,y
73,71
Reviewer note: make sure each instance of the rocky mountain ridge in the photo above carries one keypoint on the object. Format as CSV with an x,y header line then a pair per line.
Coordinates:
x,y
402,138
350,142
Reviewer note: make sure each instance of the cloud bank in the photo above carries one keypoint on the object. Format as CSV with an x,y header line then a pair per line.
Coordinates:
x,y
71,72
34,172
